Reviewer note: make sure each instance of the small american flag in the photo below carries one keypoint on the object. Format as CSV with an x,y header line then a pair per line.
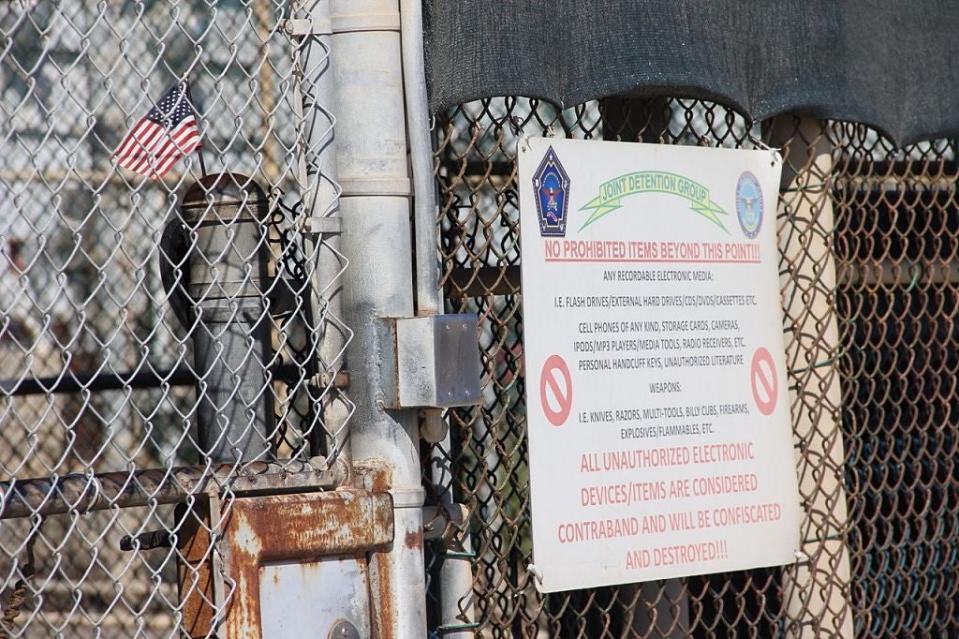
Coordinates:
x,y
166,134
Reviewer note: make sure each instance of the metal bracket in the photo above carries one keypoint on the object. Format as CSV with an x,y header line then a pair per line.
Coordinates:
x,y
323,225
437,361
299,27
363,186
353,22
343,23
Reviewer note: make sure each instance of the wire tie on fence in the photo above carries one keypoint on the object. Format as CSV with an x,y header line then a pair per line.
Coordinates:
x,y
96,492
917,273
835,537
776,153
516,126
536,572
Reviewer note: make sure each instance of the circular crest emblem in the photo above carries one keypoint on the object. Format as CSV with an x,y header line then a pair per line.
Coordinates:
x,y
749,204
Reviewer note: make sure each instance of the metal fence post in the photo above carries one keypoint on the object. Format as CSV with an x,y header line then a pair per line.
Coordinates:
x,y
817,595
375,207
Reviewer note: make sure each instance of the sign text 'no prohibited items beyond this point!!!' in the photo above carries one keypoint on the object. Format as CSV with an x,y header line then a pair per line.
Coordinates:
x,y
659,435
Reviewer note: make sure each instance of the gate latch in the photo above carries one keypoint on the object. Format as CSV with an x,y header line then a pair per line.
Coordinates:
x,y
437,361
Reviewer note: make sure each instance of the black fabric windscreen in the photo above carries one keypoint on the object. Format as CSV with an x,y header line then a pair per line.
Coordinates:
x,y
891,64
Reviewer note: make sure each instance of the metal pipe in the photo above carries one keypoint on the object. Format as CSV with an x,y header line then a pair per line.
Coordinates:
x,y
425,209
70,382
228,284
83,493
131,489
808,283
321,192
375,208
456,571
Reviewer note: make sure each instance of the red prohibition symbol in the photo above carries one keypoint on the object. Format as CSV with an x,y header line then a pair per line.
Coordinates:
x,y
764,381
556,390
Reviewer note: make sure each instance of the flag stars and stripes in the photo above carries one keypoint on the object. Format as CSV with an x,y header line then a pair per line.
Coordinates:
x,y
167,133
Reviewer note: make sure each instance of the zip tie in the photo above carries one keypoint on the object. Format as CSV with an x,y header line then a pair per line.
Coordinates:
x,y
537,574
777,155
516,126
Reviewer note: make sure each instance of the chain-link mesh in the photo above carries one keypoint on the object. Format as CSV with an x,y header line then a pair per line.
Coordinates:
x,y
867,237
175,344
103,388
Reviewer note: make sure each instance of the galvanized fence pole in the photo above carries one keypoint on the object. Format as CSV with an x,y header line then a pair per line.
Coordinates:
x,y
375,207
817,590
457,614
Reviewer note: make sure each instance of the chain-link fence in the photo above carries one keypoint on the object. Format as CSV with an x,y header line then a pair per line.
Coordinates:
x,y
160,342
123,432
867,236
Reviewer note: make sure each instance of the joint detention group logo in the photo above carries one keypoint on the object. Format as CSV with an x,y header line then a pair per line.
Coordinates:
x,y
551,183
749,204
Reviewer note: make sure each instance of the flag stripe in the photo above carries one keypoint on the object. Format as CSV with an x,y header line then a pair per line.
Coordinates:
x,y
150,146
174,149
136,144
142,144
159,145
141,160
172,134
129,144
167,133
186,146
142,141
160,164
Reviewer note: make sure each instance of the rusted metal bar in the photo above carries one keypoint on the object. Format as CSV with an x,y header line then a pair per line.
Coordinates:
x,y
129,489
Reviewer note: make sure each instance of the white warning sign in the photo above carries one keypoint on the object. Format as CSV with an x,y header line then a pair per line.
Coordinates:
x,y
659,431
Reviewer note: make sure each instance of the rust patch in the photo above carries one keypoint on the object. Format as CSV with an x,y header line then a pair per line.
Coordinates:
x,y
381,596
373,475
300,527
414,540
195,570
